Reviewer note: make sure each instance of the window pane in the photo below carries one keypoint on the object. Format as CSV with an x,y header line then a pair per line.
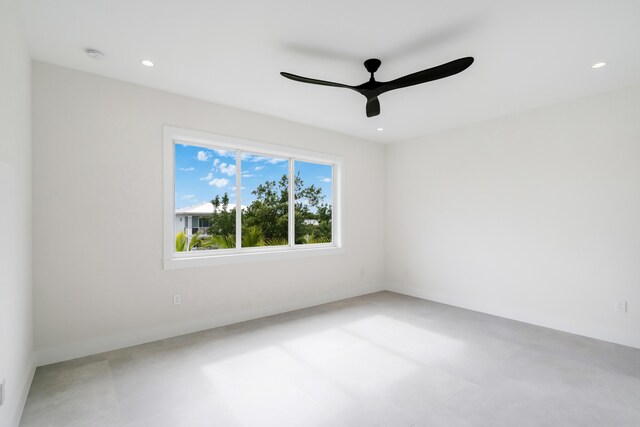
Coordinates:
x,y
265,201
314,202
205,198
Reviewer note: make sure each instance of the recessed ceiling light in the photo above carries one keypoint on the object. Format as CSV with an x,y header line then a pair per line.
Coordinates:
x,y
147,63
599,65
380,129
94,54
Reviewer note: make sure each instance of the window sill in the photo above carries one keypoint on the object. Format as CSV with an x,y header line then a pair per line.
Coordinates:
x,y
244,257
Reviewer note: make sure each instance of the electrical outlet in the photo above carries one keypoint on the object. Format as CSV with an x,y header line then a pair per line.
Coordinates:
x,y
2,387
177,299
621,306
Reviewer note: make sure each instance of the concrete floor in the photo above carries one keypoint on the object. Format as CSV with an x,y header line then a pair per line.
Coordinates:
x,y
379,360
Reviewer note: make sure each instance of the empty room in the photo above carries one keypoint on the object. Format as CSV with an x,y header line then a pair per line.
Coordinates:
x,y
320,214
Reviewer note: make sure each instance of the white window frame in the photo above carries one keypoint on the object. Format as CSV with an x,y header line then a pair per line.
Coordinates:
x,y
173,259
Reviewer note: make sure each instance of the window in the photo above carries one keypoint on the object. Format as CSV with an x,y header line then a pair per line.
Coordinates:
x,y
265,189
313,203
228,200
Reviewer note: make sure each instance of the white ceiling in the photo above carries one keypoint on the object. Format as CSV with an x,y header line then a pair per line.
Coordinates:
x,y
528,54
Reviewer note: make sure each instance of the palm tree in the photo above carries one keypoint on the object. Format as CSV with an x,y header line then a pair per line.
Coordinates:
x,y
252,236
219,242
308,239
277,241
181,242
195,241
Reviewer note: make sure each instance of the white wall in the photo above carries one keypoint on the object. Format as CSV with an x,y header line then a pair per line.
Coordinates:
x,y
98,277
534,217
16,336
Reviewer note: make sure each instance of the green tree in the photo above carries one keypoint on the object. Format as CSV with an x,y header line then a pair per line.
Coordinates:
x,y
270,210
223,219
266,220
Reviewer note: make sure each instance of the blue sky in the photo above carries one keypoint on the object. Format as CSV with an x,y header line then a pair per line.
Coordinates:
x,y
203,173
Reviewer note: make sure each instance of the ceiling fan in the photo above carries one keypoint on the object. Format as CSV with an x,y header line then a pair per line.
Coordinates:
x,y
372,89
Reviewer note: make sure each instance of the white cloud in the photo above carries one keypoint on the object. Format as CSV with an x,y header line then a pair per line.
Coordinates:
x,y
207,178
252,158
228,169
186,169
189,197
224,168
257,168
219,182
203,156
225,153
256,159
246,175
324,179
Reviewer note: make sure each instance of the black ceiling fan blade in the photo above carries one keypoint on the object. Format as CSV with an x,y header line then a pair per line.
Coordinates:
x,y
430,74
372,88
313,81
373,107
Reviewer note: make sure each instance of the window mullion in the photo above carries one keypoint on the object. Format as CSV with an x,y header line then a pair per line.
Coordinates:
x,y
292,207
238,199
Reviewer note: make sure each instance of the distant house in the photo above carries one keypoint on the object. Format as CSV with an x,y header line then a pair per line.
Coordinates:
x,y
192,219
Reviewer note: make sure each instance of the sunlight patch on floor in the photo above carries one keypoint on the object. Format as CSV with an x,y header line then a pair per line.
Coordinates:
x,y
264,384
404,339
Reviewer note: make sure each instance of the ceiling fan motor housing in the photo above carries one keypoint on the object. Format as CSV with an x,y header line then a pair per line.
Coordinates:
x,y
372,65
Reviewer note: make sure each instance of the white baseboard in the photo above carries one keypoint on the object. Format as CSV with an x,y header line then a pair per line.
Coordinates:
x,y
24,392
533,318
113,342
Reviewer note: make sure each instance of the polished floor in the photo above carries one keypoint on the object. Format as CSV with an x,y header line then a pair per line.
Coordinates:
x,y
379,360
